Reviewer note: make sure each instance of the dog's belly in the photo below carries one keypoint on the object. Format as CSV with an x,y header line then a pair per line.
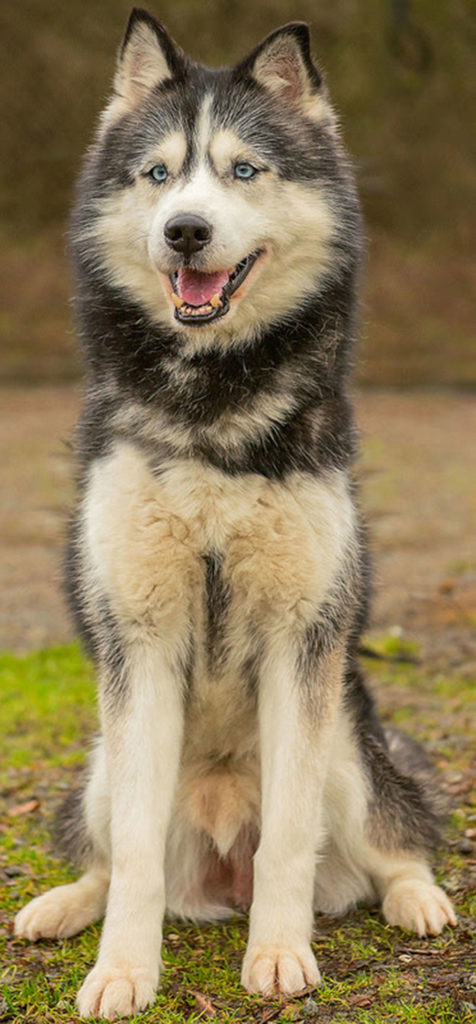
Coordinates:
x,y
219,790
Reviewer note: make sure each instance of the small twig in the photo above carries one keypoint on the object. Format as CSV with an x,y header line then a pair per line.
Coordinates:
x,y
270,1012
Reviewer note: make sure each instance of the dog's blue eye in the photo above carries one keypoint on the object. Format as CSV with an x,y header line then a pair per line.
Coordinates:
x,y
244,170
159,172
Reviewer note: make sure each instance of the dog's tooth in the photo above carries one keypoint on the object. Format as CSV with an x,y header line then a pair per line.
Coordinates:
x,y
215,301
177,301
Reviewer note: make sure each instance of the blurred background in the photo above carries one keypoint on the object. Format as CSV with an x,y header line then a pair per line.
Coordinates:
x,y
402,75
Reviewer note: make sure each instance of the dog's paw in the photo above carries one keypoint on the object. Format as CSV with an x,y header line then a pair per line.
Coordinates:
x,y
116,991
57,914
418,907
272,968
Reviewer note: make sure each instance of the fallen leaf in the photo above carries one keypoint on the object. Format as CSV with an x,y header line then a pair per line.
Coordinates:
x,y
204,1004
26,808
360,1000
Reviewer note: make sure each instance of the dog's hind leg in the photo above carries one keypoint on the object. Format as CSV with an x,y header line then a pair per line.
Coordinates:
x,y
381,825
402,831
66,910
400,879
410,898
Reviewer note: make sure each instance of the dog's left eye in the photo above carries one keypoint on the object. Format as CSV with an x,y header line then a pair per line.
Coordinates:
x,y
158,172
244,170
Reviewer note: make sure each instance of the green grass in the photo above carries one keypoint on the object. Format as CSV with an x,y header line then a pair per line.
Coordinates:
x,y
48,713
47,703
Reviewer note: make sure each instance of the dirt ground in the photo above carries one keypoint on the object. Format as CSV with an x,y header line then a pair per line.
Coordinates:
x,y
418,476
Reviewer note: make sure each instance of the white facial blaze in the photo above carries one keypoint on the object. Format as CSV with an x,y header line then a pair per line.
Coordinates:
x,y
237,225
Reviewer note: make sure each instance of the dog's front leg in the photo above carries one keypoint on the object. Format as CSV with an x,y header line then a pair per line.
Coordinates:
x,y
295,730
143,733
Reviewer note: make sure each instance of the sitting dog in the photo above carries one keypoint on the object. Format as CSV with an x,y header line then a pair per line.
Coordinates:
x,y
217,565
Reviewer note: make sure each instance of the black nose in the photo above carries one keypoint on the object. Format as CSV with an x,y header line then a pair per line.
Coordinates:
x,y
187,234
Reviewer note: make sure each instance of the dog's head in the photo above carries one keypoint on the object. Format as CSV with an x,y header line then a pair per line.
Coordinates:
x,y
215,199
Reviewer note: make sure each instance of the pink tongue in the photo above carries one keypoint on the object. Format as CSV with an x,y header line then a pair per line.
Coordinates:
x,y
197,288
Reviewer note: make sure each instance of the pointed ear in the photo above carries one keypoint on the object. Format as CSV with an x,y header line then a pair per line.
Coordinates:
x,y
282,63
147,57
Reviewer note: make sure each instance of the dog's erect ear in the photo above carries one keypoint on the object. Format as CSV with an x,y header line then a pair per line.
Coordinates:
x,y
147,57
282,63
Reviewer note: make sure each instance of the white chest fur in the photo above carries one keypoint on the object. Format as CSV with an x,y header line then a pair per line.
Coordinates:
x,y
282,543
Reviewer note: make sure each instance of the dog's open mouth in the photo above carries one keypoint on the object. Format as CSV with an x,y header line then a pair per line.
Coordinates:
x,y
199,298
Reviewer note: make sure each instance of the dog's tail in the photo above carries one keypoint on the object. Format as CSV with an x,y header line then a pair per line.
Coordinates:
x,y
70,835
410,760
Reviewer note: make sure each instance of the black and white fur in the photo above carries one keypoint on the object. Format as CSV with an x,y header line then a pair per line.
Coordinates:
x,y
217,567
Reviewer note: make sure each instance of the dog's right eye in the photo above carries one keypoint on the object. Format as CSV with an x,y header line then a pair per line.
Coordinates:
x,y
158,172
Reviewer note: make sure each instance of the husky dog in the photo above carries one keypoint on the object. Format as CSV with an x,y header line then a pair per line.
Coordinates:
x,y
217,566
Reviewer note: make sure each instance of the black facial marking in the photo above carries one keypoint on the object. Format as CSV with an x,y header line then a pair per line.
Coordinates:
x,y
299,149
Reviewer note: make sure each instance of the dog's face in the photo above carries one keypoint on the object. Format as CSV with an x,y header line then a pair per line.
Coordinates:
x,y
214,195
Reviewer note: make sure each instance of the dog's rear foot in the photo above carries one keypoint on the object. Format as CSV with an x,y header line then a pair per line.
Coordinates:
x,y
418,906
64,911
